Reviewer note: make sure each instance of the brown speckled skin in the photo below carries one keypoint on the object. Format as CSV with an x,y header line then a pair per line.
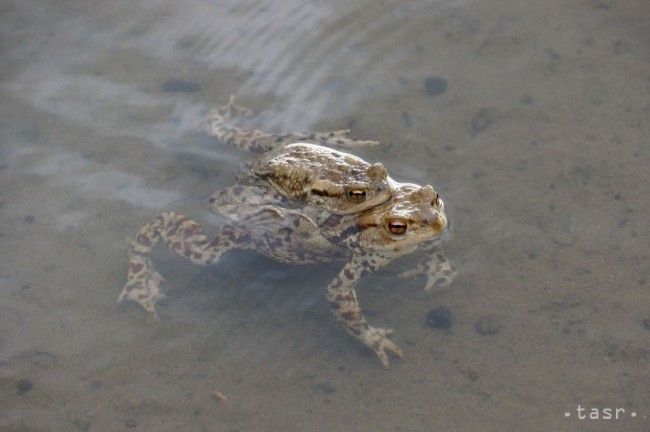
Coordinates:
x,y
290,230
323,176
298,165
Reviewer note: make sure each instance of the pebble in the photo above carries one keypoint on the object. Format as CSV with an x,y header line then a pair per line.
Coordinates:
x,y
36,358
24,385
130,423
527,100
488,325
646,323
29,219
562,230
326,387
472,375
180,86
481,121
81,425
408,121
435,86
440,318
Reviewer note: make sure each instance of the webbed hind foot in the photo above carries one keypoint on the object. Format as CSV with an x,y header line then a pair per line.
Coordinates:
x,y
143,286
377,340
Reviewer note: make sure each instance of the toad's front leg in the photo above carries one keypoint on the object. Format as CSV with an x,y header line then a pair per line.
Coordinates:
x,y
183,236
343,300
241,203
437,270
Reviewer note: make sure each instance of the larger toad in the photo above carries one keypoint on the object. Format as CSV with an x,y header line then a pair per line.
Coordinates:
x,y
300,166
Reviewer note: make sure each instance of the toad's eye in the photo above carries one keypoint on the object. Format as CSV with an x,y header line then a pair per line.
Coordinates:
x,y
397,226
357,195
436,201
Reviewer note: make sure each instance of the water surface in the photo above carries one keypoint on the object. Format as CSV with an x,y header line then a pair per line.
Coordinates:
x,y
531,118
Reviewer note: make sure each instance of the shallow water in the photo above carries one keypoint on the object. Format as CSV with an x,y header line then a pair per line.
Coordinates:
x,y
531,118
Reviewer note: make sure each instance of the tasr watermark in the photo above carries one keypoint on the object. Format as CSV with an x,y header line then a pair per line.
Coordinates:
x,y
602,413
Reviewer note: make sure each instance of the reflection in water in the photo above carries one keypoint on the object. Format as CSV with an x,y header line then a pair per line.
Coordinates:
x,y
309,54
92,179
528,115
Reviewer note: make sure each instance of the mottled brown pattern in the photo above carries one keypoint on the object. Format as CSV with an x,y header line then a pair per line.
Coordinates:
x,y
298,168
350,315
302,203
144,240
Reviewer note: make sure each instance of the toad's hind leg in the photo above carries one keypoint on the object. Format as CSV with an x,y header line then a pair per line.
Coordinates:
x,y
183,236
221,126
342,299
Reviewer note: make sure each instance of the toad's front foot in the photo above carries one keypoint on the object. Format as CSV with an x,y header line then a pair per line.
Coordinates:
x,y
144,287
438,272
377,340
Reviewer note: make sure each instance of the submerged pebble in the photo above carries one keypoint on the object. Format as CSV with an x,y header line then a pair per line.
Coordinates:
x,y
562,230
488,325
24,385
481,121
81,425
130,423
435,86
180,86
35,358
440,318
326,387
527,100
406,118
646,323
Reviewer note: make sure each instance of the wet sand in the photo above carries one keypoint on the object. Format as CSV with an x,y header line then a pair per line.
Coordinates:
x,y
531,118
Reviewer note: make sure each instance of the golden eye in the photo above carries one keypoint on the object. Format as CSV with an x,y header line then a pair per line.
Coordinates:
x,y
397,226
436,201
357,195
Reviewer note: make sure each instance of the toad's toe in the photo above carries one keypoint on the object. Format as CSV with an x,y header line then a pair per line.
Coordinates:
x,y
146,290
378,341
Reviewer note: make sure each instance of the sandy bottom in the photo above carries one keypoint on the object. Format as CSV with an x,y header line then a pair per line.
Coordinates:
x,y
531,118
